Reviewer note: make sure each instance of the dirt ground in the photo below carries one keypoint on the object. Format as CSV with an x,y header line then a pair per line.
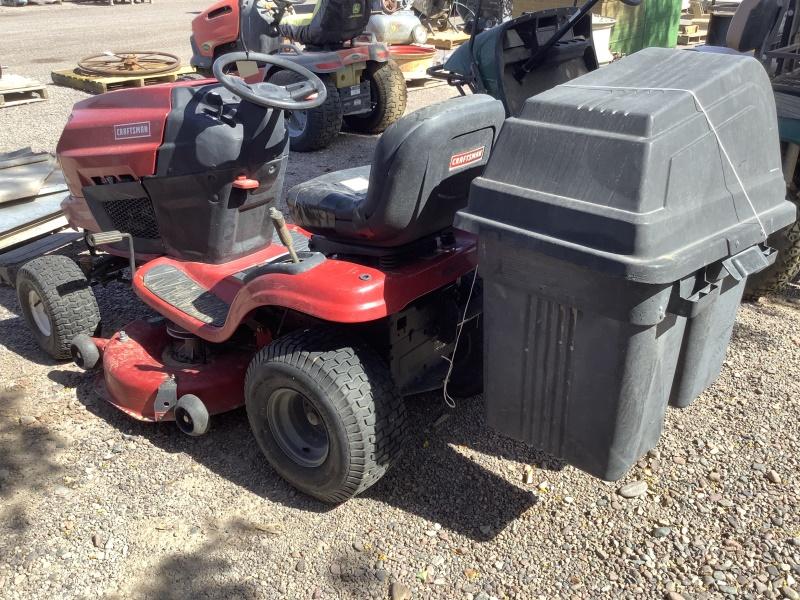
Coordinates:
x,y
94,504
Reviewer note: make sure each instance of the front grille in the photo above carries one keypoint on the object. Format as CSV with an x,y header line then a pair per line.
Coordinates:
x,y
135,216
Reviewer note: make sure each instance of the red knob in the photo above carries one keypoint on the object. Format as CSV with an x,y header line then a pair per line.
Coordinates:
x,y
243,183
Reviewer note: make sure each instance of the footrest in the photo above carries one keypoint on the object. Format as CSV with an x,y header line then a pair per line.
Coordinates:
x,y
181,291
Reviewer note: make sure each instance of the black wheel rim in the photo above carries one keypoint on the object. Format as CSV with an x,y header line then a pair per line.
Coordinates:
x,y
297,427
184,420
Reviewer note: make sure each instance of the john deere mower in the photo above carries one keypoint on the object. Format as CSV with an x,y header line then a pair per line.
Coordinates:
x,y
366,90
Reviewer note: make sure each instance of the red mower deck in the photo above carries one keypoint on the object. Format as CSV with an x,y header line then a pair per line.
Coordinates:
x,y
137,363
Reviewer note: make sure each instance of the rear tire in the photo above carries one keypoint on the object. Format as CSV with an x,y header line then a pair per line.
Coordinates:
x,y
325,412
389,97
777,276
316,128
57,303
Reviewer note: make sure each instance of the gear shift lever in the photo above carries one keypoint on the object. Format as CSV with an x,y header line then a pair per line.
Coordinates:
x,y
283,232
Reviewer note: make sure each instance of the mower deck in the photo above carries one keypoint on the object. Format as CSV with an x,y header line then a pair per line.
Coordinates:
x,y
137,364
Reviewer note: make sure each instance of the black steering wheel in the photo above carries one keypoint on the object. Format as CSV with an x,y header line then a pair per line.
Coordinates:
x,y
296,96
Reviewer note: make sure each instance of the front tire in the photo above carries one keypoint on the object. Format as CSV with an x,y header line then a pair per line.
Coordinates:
x,y
316,128
325,412
57,303
389,97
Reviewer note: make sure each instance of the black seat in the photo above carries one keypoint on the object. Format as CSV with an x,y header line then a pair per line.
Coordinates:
x,y
331,22
419,177
751,26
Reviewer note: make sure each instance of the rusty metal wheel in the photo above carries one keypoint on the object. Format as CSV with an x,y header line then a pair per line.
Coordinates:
x,y
131,62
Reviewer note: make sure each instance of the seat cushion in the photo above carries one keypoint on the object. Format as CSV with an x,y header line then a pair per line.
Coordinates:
x,y
419,178
329,202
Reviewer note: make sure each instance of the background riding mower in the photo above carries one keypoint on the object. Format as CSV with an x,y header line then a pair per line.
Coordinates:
x,y
524,56
366,90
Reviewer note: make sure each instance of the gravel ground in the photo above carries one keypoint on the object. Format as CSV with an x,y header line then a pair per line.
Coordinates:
x,y
97,505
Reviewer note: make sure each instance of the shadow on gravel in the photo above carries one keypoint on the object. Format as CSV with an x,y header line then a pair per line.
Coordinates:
x,y
197,574
438,479
15,336
229,449
746,332
433,480
25,459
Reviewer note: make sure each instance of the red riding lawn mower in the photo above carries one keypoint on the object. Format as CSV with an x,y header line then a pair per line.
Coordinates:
x,y
366,90
333,318
609,279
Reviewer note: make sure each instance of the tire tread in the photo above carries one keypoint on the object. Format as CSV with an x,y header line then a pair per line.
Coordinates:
x,y
357,381
324,122
392,99
72,311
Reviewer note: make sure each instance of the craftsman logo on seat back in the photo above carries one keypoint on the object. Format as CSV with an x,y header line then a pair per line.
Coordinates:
x,y
130,131
464,159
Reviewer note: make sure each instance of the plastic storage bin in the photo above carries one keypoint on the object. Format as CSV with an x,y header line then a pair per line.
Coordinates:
x,y
615,243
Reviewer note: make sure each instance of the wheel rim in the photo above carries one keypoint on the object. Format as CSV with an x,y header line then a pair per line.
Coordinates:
x,y
184,420
39,313
296,123
131,62
297,427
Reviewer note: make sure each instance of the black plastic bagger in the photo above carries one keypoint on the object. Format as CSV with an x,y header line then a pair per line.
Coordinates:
x,y
616,237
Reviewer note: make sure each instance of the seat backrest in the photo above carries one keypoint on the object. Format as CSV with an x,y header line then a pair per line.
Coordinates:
x,y
423,166
332,22
751,24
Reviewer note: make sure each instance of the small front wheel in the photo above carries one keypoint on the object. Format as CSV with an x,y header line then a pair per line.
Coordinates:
x,y
191,415
325,412
84,352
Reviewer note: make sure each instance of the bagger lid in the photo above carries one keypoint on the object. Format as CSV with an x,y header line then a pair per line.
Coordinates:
x,y
620,171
